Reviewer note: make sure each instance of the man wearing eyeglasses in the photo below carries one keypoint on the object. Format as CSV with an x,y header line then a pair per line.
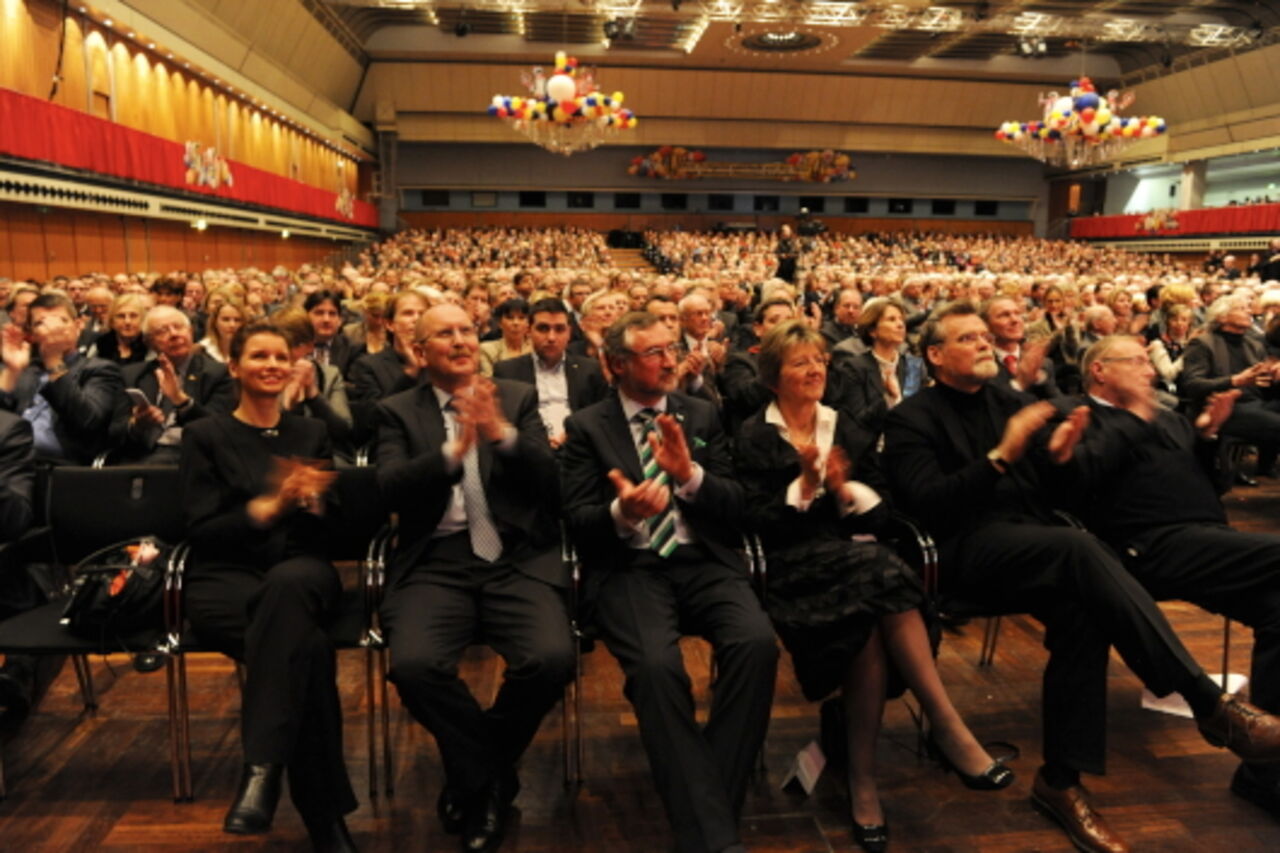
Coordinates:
x,y
651,504
181,384
1141,476
958,457
465,462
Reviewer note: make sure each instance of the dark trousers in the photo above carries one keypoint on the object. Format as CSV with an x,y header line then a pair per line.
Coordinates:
x,y
433,613
643,610
1254,421
1224,571
1088,602
274,622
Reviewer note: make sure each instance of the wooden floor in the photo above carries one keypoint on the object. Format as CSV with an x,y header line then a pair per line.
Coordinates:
x,y
101,782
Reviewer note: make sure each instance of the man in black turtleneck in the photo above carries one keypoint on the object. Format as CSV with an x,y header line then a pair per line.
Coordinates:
x,y
957,459
1232,356
1140,478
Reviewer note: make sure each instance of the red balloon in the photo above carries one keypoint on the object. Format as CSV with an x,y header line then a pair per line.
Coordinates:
x,y
1087,114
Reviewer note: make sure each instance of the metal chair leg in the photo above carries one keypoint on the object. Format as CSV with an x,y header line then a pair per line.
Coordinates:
x,y
84,675
184,706
371,736
175,741
388,782
989,638
1226,652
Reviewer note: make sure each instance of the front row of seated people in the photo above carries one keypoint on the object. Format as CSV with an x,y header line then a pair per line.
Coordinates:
x,y
655,501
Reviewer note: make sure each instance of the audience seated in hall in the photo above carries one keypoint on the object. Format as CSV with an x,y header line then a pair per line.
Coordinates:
x,y
409,315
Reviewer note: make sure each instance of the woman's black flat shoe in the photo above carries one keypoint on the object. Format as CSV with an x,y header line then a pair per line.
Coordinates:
x,y
872,837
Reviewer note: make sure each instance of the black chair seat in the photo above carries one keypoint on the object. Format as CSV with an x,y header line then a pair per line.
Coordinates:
x,y
38,632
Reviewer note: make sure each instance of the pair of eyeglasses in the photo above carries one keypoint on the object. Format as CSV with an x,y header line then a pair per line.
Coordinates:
x,y
672,350
1131,360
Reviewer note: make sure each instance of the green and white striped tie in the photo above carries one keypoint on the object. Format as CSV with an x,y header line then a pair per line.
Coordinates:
x,y
662,527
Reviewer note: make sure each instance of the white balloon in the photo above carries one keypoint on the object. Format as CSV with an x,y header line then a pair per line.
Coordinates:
x,y
561,87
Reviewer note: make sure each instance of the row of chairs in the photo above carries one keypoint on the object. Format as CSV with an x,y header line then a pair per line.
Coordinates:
x,y
85,511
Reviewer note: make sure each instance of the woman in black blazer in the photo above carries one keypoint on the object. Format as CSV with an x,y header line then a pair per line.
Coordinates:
x,y
261,589
848,610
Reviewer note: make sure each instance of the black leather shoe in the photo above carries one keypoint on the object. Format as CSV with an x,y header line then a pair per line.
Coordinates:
x,y
331,836
450,809
148,662
872,837
1260,787
256,799
486,820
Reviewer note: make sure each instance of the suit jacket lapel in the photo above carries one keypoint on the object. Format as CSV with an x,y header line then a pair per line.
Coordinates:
x,y
619,433
430,416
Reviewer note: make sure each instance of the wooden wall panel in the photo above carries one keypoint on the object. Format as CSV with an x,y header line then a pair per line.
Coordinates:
x,y
114,250
138,256
40,245
26,233
6,251
118,79
89,251
166,248
60,242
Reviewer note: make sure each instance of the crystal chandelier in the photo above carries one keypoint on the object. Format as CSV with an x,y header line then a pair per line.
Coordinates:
x,y
566,112
1081,129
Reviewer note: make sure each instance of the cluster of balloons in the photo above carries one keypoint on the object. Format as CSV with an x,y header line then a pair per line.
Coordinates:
x,y
670,162
569,96
1083,114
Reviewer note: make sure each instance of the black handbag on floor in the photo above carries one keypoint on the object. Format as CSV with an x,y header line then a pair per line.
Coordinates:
x,y
118,591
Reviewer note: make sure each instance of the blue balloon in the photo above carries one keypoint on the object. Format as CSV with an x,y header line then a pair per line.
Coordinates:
x,y
1087,100
493,111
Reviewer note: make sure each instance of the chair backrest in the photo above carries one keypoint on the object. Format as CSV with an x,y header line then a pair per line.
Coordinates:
x,y
90,508
362,513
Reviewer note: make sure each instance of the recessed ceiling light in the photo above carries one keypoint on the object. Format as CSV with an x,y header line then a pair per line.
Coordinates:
x,y
151,45
106,22
129,34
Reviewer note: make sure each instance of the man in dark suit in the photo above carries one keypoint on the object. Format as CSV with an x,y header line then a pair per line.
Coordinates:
x,y
388,371
466,464
1140,477
185,383
1269,269
1022,363
956,455
652,507
324,308
1231,356
70,400
17,593
565,382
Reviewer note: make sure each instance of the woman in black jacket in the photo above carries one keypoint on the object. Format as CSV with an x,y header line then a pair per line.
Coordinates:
x,y
848,610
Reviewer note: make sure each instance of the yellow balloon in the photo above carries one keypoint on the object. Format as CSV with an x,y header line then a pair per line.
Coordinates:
x,y
617,98
631,122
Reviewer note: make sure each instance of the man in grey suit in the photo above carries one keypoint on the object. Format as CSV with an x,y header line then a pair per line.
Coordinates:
x,y
1230,356
565,382
466,464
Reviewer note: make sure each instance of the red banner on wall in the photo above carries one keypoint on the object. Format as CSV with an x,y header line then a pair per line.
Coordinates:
x,y
38,130
1243,219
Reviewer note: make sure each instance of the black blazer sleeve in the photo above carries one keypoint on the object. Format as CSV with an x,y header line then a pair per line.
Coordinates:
x,y
17,476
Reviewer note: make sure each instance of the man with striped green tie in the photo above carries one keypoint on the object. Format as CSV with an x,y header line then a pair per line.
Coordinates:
x,y
651,504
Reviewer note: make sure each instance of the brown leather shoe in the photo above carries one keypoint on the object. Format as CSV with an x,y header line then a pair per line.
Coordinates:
x,y
1073,812
1247,730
